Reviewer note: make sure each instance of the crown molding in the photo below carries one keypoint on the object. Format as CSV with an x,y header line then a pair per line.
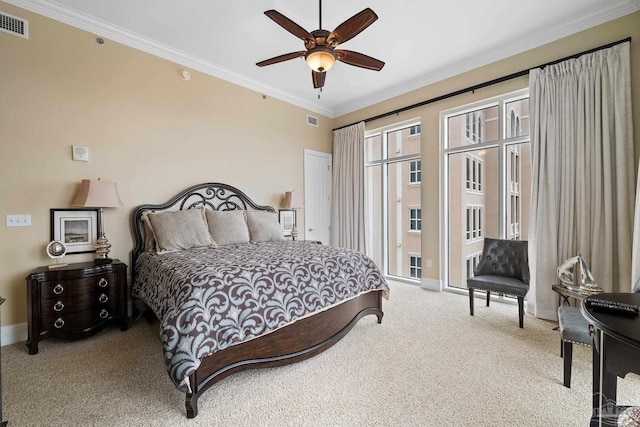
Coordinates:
x,y
128,38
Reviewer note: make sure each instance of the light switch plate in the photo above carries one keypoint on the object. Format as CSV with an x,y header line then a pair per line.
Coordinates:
x,y
80,153
18,220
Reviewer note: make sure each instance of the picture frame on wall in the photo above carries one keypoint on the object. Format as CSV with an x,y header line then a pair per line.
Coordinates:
x,y
76,228
286,218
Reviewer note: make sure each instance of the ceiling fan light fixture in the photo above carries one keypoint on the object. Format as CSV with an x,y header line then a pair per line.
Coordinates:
x,y
321,58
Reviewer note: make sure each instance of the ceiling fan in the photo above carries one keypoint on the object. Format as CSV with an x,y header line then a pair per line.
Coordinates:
x,y
321,44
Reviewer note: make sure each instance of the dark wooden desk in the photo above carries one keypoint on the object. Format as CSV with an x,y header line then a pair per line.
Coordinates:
x,y
616,352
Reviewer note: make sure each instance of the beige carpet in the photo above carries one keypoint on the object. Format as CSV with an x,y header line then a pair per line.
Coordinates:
x,y
428,364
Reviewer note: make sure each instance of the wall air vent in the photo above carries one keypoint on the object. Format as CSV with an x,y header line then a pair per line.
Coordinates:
x,y
14,25
312,121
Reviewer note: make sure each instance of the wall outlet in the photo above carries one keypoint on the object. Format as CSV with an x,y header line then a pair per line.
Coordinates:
x,y
18,220
429,263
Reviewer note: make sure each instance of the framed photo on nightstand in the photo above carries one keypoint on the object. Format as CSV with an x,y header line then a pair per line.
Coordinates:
x,y
286,221
76,228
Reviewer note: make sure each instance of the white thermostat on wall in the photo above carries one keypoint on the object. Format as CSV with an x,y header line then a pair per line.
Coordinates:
x,y
80,153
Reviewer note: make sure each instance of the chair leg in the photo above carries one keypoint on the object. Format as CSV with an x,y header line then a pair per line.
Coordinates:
x,y
561,347
567,356
488,298
471,300
521,311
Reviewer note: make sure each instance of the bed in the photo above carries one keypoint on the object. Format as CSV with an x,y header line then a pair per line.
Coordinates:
x,y
230,300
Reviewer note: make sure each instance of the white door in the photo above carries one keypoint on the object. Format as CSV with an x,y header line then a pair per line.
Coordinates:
x,y
317,195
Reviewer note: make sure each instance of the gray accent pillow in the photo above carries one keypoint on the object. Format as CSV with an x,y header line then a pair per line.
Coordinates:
x,y
263,226
179,230
227,227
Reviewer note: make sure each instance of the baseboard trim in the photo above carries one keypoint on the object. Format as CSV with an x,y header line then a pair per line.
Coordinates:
x,y
12,334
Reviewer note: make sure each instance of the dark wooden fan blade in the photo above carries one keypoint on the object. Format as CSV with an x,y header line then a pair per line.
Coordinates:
x,y
359,60
292,27
352,27
318,79
281,58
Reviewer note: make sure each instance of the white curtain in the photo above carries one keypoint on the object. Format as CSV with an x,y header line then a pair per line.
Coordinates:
x,y
347,210
583,172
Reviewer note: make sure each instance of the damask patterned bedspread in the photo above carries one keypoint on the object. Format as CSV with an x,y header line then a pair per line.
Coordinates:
x,y
210,299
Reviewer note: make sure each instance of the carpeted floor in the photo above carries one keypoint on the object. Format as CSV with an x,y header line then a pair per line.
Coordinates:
x,y
428,364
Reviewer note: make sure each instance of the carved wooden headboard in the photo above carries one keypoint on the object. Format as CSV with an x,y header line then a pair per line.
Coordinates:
x,y
212,195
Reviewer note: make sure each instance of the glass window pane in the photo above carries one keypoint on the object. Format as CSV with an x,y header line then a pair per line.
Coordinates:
x,y
473,127
403,219
373,148
471,214
402,143
517,114
373,209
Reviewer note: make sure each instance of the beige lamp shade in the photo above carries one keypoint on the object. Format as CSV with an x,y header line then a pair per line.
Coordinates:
x,y
293,200
97,194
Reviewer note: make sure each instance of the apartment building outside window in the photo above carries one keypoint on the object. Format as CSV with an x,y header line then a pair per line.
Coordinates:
x,y
415,171
487,179
393,206
474,173
415,266
415,219
474,223
472,262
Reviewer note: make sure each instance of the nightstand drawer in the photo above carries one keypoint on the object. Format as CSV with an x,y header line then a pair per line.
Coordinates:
x,y
61,288
77,321
65,305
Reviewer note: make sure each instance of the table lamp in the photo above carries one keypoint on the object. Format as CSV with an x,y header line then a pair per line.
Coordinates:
x,y
293,201
99,194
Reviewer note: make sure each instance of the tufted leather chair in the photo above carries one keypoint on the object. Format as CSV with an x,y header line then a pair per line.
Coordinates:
x,y
504,270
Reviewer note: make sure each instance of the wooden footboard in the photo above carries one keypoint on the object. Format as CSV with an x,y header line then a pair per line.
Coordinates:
x,y
293,343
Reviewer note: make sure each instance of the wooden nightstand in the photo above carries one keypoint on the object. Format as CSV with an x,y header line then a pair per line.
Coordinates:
x,y
75,301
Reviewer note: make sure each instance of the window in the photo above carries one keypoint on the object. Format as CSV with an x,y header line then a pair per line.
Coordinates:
x,y
393,205
415,266
415,219
473,173
472,263
486,163
415,171
474,126
474,223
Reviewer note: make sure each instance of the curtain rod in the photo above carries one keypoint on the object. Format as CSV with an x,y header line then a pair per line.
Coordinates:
x,y
485,84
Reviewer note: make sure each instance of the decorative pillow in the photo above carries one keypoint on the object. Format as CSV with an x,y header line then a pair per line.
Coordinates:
x,y
149,239
263,226
227,227
175,231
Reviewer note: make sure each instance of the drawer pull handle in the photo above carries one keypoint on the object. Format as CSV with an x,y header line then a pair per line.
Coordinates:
x,y
58,289
103,298
59,323
103,283
104,314
58,306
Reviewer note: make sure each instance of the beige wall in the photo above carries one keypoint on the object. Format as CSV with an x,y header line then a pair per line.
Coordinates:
x,y
628,26
146,129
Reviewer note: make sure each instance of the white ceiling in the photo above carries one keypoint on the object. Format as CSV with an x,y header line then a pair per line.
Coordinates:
x,y
421,41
